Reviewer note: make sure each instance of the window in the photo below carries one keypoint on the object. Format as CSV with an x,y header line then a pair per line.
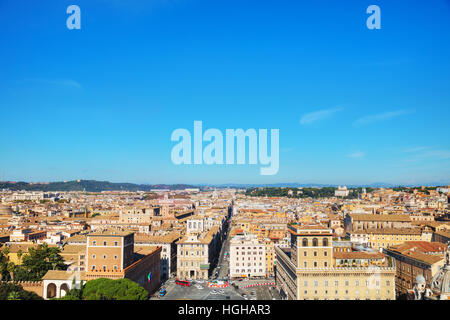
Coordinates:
x,y
104,256
94,243
93,267
117,243
315,253
315,242
304,264
305,242
305,283
104,243
325,264
304,253
94,256
325,242
115,256
315,263
325,253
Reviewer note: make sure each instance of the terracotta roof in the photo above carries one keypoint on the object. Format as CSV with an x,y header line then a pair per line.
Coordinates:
x,y
77,238
427,258
73,248
388,231
168,238
60,275
358,255
381,217
422,246
110,232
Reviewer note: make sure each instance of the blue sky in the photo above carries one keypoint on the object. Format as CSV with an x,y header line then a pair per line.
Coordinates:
x,y
353,105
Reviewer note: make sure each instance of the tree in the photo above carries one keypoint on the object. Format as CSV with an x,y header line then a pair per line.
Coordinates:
x,y
14,295
4,260
38,261
12,291
107,289
19,254
10,268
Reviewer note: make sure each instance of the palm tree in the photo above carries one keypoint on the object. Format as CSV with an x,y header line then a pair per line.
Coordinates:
x,y
19,255
11,267
6,251
14,295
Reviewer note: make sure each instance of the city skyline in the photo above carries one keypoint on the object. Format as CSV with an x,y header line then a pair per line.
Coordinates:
x,y
353,106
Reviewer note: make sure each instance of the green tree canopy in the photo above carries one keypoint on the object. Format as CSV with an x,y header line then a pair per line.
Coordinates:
x,y
108,289
10,291
38,261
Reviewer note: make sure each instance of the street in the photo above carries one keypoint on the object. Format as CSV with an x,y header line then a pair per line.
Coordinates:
x,y
235,291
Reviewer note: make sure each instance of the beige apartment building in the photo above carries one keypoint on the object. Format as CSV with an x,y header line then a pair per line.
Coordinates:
x,y
354,222
308,270
415,258
196,253
388,237
139,215
247,257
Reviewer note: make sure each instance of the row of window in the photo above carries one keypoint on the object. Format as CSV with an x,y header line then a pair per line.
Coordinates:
x,y
315,242
104,256
104,268
249,252
247,270
247,248
94,243
193,253
346,283
315,264
336,292
248,258
305,253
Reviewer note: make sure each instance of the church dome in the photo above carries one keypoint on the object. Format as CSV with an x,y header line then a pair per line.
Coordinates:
x,y
420,279
440,284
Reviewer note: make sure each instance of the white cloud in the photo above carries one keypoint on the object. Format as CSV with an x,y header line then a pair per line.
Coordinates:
x,y
416,149
379,117
58,82
318,115
441,154
356,154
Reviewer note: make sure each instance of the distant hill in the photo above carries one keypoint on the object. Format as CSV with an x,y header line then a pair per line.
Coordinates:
x,y
98,186
89,186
